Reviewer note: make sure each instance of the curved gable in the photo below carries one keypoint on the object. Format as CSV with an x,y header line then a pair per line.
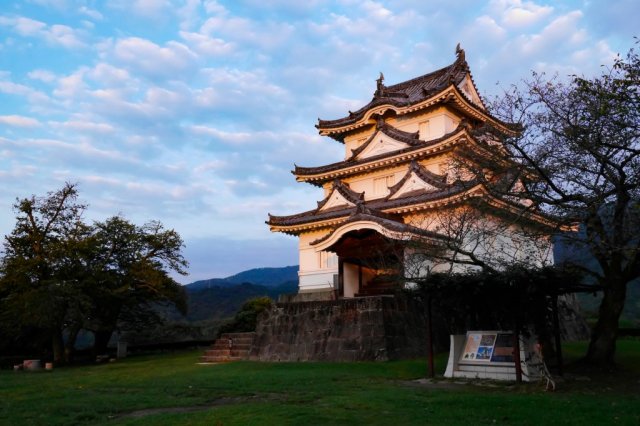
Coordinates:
x,y
417,179
380,143
341,196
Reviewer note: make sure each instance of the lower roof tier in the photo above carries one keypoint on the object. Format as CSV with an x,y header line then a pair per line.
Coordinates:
x,y
456,194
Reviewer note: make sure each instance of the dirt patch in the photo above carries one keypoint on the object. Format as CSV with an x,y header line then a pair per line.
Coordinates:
x,y
458,383
195,408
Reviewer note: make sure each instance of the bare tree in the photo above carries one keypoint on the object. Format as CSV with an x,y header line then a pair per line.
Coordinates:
x,y
579,156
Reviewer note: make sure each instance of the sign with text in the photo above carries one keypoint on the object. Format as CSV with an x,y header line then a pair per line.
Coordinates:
x,y
488,346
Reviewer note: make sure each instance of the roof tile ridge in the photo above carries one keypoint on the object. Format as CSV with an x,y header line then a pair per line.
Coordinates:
x,y
355,152
275,219
344,190
360,212
438,181
422,78
351,162
410,138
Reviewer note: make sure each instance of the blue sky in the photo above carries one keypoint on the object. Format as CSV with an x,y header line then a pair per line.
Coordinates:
x,y
194,112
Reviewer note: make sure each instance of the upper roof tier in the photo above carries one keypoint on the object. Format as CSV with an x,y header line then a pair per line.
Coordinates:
x,y
444,85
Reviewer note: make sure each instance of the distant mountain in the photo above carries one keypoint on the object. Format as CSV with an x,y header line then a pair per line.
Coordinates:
x,y
218,298
216,302
268,277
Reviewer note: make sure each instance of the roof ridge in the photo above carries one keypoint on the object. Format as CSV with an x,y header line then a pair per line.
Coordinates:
x,y
410,138
438,181
344,190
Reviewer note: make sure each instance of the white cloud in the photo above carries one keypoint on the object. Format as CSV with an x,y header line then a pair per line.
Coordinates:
x,y
518,14
56,34
84,126
193,112
57,4
561,32
91,13
150,7
153,60
189,14
19,121
212,7
488,27
71,86
266,35
42,75
64,36
37,99
206,45
108,75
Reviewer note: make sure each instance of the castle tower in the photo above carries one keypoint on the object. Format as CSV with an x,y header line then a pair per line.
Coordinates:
x,y
419,154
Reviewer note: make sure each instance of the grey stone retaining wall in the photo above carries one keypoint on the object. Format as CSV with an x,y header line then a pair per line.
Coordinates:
x,y
368,328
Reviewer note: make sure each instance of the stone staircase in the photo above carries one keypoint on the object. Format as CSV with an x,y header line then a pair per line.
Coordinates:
x,y
229,347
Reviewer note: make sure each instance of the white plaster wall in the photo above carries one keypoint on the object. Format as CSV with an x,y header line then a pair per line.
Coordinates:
x,y
433,124
316,268
490,238
350,279
316,280
367,182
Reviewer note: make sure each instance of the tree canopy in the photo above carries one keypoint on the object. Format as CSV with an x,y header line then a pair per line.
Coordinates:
x,y
579,162
59,275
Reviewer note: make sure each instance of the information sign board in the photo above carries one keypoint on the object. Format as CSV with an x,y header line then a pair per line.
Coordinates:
x,y
488,346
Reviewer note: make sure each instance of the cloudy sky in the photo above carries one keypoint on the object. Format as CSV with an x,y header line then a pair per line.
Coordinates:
x,y
194,112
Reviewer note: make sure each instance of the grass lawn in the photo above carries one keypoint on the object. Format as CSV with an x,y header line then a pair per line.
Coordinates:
x,y
171,389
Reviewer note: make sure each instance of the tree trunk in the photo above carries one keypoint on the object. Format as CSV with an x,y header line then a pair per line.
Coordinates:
x,y
602,346
69,347
101,341
57,346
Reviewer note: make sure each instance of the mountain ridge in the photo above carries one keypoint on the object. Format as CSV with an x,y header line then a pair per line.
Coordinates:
x,y
267,277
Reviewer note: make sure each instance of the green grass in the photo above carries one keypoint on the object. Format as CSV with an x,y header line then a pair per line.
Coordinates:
x,y
247,393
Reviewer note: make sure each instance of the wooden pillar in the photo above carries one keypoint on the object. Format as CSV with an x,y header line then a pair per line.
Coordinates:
x,y
516,332
359,278
340,277
516,352
430,337
556,332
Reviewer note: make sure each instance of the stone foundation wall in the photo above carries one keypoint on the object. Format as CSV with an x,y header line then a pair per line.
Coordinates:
x,y
361,329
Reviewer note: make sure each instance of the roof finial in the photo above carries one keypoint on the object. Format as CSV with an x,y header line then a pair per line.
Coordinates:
x,y
460,52
380,86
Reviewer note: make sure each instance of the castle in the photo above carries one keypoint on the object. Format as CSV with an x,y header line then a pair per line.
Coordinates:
x,y
416,192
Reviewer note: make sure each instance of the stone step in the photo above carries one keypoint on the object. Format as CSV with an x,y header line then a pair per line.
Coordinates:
x,y
226,352
221,344
221,359
237,335
229,347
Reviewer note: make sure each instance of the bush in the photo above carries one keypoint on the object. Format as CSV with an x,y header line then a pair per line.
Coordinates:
x,y
245,319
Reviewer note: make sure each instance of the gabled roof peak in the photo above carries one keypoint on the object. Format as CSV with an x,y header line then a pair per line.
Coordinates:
x,y
408,92
429,179
347,196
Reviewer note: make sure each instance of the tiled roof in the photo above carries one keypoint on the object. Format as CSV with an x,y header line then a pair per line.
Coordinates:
x,y
385,221
344,190
309,171
416,197
407,93
439,181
